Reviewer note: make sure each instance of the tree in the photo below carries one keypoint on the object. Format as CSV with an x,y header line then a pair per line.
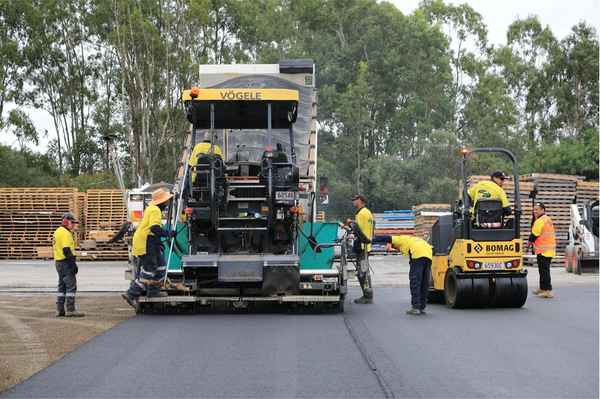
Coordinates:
x,y
576,82
526,66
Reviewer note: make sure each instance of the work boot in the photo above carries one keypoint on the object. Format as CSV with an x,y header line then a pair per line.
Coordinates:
x,y
130,300
537,291
60,313
414,312
74,313
546,294
363,300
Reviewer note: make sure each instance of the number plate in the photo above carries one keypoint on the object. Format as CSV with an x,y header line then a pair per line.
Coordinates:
x,y
285,195
493,265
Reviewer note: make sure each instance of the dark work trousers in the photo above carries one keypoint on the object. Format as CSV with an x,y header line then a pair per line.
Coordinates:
x,y
418,275
151,273
363,274
544,269
67,285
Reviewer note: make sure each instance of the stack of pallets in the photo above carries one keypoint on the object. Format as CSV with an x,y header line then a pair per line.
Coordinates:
x,y
587,191
557,192
392,223
104,214
28,218
395,222
425,217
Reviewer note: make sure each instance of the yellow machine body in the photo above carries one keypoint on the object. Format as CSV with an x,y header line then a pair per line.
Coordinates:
x,y
474,257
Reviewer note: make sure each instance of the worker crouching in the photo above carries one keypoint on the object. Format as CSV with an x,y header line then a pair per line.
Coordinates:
x,y
420,256
148,250
63,245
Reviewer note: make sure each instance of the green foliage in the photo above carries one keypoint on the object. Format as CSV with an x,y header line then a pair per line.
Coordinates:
x,y
398,94
24,168
84,182
571,156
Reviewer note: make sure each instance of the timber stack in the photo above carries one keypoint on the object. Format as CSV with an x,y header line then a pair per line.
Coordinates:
x,y
28,218
395,222
425,217
104,215
587,191
557,192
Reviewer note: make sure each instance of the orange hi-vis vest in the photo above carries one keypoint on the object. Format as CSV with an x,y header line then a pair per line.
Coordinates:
x,y
545,244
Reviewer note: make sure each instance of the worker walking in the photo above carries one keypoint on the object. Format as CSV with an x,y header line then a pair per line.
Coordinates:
x,y
148,248
420,256
491,190
362,227
543,241
63,245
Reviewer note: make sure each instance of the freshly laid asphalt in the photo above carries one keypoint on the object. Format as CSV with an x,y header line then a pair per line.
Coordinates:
x,y
548,349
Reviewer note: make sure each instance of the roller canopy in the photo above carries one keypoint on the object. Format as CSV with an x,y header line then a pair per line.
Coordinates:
x,y
245,108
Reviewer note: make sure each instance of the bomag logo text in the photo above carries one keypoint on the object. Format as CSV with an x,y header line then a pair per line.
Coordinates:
x,y
241,95
499,247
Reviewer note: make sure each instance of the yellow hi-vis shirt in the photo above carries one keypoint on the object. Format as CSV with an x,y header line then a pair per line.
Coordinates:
x,y
202,148
414,247
488,190
152,217
545,244
62,238
364,220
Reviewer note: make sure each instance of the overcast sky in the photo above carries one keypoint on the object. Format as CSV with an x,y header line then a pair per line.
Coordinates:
x,y
497,16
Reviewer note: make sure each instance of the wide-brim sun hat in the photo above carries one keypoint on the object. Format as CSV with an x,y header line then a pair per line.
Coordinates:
x,y
160,196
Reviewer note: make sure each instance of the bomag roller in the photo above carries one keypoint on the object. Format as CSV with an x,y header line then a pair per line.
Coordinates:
x,y
478,253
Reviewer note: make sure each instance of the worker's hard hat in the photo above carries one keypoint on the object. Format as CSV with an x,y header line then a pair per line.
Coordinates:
x,y
70,217
160,196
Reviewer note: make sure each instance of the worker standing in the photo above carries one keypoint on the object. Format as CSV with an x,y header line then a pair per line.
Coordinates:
x,y
148,248
491,190
420,256
543,241
63,245
362,227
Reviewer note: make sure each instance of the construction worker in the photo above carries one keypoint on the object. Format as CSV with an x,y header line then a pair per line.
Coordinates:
x,y
490,190
420,256
362,227
543,241
204,147
147,247
63,245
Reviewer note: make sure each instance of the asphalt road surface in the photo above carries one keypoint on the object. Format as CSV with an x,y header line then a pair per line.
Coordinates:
x,y
548,349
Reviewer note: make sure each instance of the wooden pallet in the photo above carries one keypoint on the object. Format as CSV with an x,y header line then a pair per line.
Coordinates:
x,y
104,210
587,191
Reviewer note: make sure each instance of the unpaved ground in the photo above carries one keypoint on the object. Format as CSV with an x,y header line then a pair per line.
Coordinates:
x,y
31,337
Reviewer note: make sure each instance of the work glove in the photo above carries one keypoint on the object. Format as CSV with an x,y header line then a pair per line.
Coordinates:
x,y
76,269
172,234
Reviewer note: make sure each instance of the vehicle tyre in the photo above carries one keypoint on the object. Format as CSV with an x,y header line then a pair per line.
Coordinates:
x,y
458,293
481,292
509,292
520,291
